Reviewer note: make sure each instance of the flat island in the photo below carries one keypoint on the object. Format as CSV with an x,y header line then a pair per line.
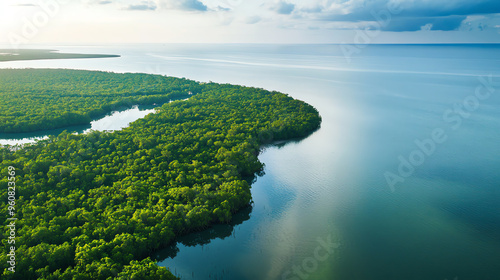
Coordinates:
x,y
97,205
34,54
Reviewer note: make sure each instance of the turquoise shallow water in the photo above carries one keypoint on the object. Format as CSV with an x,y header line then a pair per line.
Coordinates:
x,y
441,220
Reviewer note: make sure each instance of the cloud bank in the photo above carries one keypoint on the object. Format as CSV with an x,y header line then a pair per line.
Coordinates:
x,y
442,15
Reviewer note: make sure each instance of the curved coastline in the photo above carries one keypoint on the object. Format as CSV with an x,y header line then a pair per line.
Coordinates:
x,y
191,156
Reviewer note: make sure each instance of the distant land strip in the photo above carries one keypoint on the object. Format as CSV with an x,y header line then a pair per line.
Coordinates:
x,y
38,54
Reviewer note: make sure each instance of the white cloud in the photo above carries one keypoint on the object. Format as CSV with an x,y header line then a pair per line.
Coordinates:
x,y
283,8
253,19
142,6
186,5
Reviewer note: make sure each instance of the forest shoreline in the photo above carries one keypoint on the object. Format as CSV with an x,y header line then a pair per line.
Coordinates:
x,y
78,128
109,200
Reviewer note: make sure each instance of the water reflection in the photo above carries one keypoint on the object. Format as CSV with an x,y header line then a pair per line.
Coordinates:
x,y
114,121
200,238
32,137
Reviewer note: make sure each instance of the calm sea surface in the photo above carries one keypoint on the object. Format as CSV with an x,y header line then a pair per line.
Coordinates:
x,y
401,182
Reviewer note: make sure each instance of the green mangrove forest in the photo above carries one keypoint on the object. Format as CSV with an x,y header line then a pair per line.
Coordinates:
x,y
95,206
32,100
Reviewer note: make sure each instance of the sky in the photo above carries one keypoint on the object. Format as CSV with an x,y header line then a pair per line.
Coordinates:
x,y
24,22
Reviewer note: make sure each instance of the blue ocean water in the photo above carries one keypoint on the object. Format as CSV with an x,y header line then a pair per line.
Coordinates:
x,y
400,182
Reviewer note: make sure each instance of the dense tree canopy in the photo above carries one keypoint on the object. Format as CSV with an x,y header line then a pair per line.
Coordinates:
x,y
94,206
33,99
